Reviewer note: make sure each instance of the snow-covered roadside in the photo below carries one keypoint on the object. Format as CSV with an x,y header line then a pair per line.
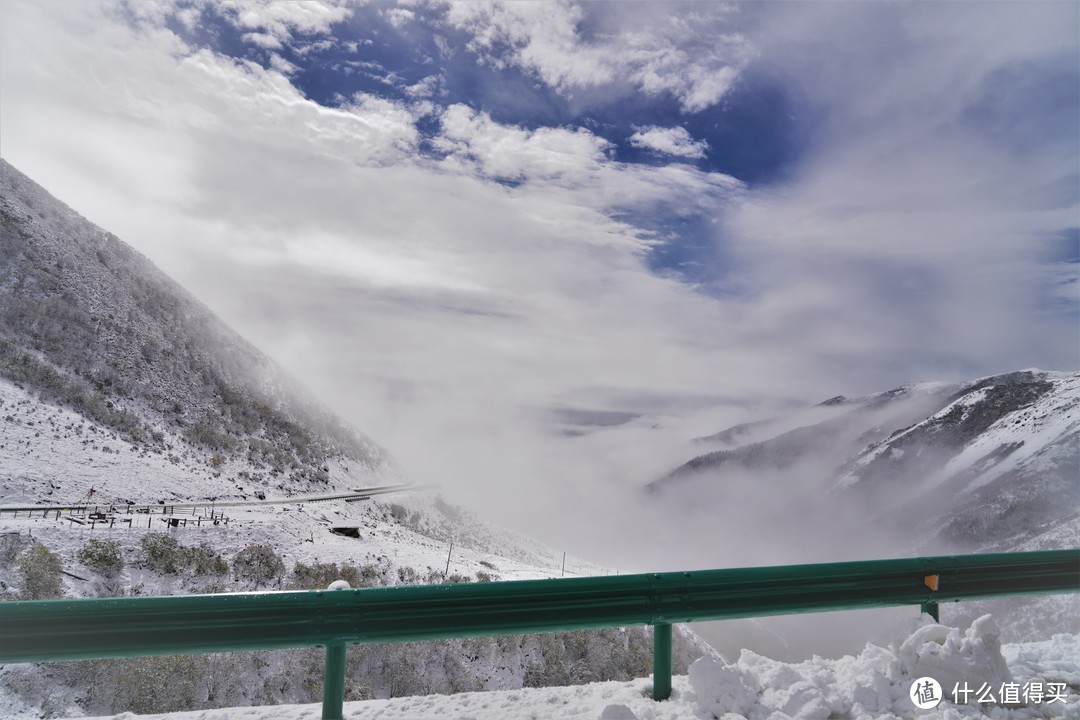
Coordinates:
x,y
875,684
50,455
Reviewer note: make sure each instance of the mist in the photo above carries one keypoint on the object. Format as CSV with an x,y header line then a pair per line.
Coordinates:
x,y
481,287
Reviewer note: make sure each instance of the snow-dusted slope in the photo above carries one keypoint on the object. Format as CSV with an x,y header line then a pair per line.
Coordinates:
x,y
990,429
88,323
984,465
826,434
118,388
52,456
997,465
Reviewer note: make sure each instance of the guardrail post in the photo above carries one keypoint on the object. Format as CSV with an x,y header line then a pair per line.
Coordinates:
x,y
661,661
333,682
931,609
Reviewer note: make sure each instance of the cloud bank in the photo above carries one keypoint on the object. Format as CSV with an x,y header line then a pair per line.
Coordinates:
x,y
457,284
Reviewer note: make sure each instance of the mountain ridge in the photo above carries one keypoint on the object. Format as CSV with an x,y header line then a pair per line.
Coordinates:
x,y
981,462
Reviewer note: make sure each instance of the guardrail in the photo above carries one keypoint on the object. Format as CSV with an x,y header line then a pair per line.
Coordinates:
x,y
43,630
172,507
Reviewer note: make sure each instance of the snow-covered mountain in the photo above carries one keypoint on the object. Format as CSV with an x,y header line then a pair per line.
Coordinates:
x,y
90,324
115,380
991,464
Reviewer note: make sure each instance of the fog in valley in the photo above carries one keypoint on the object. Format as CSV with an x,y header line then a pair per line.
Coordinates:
x,y
539,305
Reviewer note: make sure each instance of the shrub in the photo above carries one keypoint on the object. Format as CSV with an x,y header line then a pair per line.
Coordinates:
x,y
204,560
162,552
40,572
258,564
148,684
317,576
369,576
350,575
101,556
11,544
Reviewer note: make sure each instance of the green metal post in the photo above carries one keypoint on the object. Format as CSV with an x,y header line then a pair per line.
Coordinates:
x,y
931,609
661,661
333,682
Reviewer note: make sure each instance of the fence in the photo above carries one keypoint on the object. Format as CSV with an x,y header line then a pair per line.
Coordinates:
x,y
117,627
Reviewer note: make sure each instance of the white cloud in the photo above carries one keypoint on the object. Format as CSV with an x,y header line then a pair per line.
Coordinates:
x,y
512,153
671,141
399,16
438,309
282,19
282,65
263,40
904,236
692,56
431,86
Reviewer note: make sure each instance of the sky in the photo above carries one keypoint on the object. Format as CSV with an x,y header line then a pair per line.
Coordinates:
x,y
533,247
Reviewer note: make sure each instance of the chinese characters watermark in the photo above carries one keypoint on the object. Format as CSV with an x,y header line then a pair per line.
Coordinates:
x,y
926,693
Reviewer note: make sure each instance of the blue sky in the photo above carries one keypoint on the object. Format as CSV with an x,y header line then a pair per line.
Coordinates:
x,y
466,224
755,130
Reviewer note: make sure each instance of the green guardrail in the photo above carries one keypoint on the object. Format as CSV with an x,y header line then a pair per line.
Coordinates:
x,y
43,630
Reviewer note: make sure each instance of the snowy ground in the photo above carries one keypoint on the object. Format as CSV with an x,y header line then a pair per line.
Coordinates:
x,y
1043,676
52,456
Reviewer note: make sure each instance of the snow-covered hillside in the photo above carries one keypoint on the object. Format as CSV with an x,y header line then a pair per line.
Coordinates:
x,y
88,323
53,456
118,389
991,464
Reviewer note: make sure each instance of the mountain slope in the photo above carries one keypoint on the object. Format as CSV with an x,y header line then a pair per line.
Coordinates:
x,y
117,387
87,322
1001,461
984,465
828,433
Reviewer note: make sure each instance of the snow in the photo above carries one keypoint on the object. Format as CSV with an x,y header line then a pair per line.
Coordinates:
x,y
53,456
1027,431
874,684
1052,417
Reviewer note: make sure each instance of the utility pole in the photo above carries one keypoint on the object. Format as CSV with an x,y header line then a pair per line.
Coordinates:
x,y
446,572
563,565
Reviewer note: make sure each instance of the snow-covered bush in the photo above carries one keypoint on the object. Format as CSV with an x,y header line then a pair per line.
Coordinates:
x,y
11,544
39,570
204,560
162,553
318,576
101,556
165,554
258,564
